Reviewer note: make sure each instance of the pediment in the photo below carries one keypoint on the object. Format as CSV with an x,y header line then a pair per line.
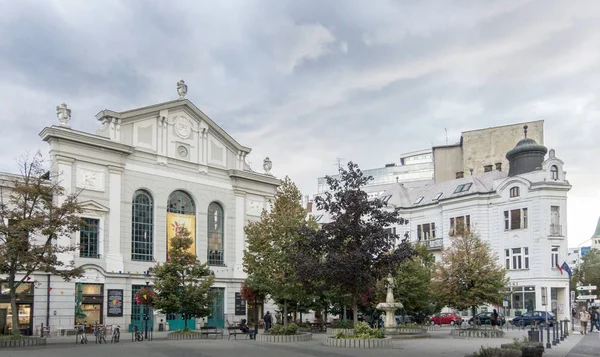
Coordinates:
x,y
183,114
92,205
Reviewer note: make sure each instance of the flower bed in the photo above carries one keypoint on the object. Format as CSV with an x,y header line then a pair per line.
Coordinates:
x,y
298,337
344,331
385,342
477,333
21,342
180,335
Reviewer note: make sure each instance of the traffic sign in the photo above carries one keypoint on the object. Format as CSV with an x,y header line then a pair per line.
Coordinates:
x,y
583,288
586,297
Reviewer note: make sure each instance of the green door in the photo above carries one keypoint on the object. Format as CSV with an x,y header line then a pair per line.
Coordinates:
x,y
138,312
176,322
217,316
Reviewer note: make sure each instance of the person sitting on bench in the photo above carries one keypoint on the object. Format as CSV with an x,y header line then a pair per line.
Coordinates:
x,y
244,327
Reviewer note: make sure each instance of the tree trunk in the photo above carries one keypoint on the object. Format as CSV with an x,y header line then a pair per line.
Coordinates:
x,y
474,313
325,314
15,313
285,310
355,310
345,314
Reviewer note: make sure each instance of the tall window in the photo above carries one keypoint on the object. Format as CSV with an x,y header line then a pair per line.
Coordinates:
x,y
142,224
215,234
88,238
516,258
554,256
554,172
459,224
426,231
514,191
515,219
180,202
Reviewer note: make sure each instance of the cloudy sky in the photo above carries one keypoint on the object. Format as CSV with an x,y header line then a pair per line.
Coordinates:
x,y
307,81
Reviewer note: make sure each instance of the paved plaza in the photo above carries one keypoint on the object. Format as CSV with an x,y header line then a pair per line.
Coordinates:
x,y
439,344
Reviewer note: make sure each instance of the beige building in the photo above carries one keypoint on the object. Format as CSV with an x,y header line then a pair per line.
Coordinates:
x,y
482,150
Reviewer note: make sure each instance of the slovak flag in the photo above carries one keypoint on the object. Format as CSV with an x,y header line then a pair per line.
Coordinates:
x,y
559,268
566,268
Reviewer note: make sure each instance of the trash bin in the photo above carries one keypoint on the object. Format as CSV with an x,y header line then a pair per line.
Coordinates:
x,y
534,335
161,327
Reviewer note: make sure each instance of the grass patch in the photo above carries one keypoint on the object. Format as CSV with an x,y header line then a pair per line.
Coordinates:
x,y
12,338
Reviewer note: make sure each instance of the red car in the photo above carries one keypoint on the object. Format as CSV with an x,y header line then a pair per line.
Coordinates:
x,y
446,318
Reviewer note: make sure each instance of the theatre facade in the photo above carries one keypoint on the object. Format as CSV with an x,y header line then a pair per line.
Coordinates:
x,y
143,173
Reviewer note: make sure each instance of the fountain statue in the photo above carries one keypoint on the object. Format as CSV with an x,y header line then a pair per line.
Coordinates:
x,y
389,306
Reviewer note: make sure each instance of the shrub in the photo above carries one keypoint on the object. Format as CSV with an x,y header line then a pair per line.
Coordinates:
x,y
343,324
363,331
290,329
497,352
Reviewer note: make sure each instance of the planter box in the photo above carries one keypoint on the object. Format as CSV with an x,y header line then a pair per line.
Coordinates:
x,y
411,330
477,333
25,342
358,343
267,338
184,336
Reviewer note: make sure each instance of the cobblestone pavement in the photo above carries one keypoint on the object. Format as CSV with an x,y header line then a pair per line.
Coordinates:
x,y
439,344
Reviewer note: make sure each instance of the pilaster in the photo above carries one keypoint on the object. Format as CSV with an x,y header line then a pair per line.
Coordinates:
x,y
64,168
114,258
240,241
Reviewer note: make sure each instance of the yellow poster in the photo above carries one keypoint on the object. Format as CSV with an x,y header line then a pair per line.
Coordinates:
x,y
176,222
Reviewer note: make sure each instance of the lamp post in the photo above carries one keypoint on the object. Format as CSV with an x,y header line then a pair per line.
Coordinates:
x,y
146,311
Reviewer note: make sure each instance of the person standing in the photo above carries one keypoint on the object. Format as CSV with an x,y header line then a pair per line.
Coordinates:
x,y
593,319
494,319
268,321
584,317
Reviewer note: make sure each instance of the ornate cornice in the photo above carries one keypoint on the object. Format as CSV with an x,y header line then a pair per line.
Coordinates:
x,y
56,132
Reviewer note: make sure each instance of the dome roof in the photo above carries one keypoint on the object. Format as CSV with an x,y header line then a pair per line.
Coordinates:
x,y
526,156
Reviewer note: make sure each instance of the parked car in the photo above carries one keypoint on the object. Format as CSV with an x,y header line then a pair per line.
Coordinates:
x,y
485,318
446,318
534,317
406,319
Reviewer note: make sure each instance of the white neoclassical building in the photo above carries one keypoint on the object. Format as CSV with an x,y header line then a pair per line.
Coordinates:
x,y
143,172
522,213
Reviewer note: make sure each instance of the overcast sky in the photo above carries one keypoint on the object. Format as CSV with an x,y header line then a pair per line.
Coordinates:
x,y
307,81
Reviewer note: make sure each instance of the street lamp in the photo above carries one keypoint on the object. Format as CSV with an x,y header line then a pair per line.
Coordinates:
x,y
146,310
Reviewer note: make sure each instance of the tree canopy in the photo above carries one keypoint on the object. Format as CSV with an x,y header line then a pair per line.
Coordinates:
x,y
35,213
469,274
588,270
356,248
183,284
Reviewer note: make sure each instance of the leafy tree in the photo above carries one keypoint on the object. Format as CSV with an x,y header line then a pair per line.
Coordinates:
x,y
250,292
183,284
588,271
268,258
355,249
413,284
34,213
469,274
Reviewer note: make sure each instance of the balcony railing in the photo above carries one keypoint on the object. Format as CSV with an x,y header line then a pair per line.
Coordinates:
x,y
434,244
555,230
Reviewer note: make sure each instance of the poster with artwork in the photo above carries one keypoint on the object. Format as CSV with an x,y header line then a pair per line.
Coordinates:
x,y
175,223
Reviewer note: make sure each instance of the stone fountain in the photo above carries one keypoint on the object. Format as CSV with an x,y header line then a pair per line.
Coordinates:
x,y
389,306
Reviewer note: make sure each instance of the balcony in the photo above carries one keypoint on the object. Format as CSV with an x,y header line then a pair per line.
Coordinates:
x,y
555,230
434,244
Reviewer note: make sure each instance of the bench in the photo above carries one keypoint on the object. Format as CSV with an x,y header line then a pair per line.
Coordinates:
x,y
234,331
210,330
64,331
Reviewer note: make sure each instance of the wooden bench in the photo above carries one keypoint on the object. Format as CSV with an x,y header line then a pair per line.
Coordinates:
x,y
234,331
210,330
318,327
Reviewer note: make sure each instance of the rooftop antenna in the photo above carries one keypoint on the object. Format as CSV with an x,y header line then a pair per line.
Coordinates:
x,y
446,135
338,162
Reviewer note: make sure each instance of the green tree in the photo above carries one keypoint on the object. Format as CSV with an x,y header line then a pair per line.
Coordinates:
x,y
356,249
588,271
413,284
469,274
34,212
268,258
182,284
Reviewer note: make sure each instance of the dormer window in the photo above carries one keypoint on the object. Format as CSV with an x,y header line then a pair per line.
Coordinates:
x,y
514,191
418,200
463,188
437,196
554,171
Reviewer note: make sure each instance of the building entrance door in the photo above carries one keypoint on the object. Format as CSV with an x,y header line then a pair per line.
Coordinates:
x,y
217,316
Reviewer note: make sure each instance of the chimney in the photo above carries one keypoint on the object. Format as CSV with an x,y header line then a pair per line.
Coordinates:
x,y
309,206
498,166
460,174
487,168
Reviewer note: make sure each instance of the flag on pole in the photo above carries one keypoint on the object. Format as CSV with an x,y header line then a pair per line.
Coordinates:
x,y
566,268
559,268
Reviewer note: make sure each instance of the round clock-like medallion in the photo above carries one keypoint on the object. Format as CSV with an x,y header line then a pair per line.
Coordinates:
x,y
182,151
183,127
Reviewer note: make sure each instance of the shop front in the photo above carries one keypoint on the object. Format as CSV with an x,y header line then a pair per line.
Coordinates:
x,y
25,294
91,297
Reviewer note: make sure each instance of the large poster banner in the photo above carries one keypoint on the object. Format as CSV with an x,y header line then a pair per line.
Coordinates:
x,y
176,222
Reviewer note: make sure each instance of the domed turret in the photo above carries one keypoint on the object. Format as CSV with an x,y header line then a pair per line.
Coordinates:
x,y
526,156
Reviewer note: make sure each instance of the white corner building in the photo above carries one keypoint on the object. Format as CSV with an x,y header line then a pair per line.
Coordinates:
x,y
144,171
522,213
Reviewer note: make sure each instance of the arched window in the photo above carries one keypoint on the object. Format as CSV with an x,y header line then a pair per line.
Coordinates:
x,y
215,234
554,171
142,224
180,202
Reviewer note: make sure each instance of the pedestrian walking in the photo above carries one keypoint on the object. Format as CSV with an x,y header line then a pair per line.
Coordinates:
x,y
584,318
268,318
494,319
594,320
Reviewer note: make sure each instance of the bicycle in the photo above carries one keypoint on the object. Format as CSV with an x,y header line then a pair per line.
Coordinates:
x,y
116,335
139,335
100,333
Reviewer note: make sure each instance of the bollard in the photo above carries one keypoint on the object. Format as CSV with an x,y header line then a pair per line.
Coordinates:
x,y
562,331
566,327
554,343
541,334
548,344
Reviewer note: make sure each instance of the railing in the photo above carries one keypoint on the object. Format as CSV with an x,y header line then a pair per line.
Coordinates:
x,y
434,244
555,230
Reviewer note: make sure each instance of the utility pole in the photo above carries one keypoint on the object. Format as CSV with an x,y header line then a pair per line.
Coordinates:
x,y
338,162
